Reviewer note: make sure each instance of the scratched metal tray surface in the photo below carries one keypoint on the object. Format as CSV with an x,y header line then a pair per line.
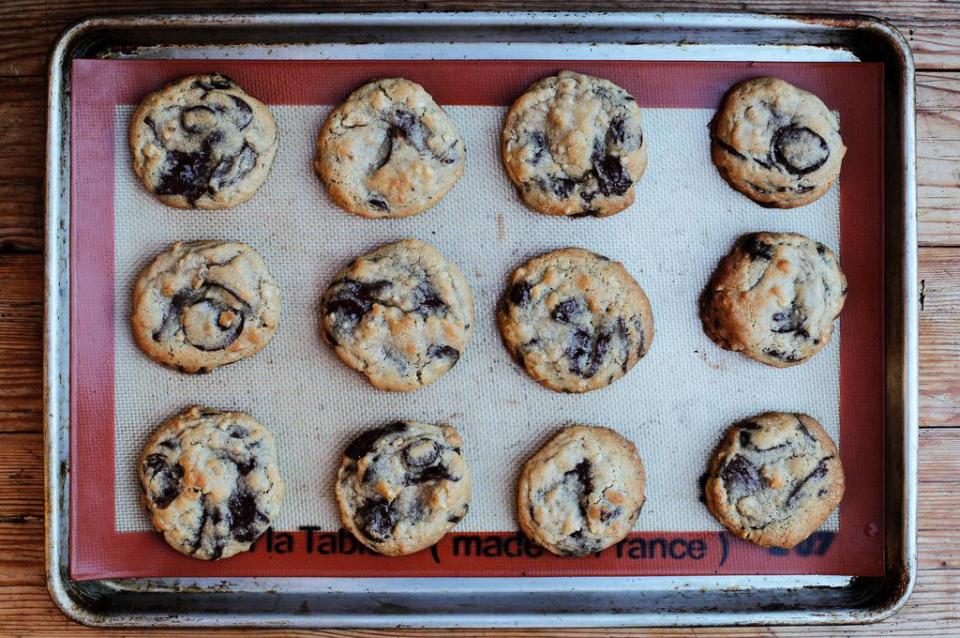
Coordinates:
x,y
493,602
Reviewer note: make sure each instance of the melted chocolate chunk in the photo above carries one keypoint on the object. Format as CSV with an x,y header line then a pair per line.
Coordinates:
x,y
246,466
437,472
757,248
586,196
818,472
198,539
379,203
586,352
353,299
568,310
789,320
624,343
186,174
746,438
729,149
803,429
237,431
217,81
443,352
406,125
798,150
779,354
612,177
153,126
520,294
245,519
168,480
562,186
539,142
377,518
740,475
421,453
583,483
606,515
218,304
233,168
428,302
615,132
243,112
362,445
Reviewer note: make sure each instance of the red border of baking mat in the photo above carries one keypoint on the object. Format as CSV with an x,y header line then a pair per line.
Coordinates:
x,y
98,551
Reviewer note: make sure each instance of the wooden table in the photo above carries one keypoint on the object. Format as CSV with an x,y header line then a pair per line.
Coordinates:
x,y
28,28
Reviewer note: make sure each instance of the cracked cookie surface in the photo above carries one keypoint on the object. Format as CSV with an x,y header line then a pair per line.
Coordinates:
x,y
777,144
204,304
775,298
389,150
401,315
201,142
402,486
775,479
576,321
211,482
573,145
582,492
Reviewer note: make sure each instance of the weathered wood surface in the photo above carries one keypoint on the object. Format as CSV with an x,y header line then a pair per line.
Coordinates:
x,y
28,27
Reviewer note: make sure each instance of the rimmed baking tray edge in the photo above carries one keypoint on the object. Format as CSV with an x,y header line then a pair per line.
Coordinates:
x,y
490,602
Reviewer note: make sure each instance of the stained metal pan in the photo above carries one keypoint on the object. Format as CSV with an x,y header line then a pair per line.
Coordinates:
x,y
490,602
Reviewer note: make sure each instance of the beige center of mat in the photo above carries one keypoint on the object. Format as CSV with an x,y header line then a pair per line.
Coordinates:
x,y
674,404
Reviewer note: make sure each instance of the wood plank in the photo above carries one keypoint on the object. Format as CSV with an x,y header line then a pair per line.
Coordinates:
x,y
28,28
940,337
938,158
21,342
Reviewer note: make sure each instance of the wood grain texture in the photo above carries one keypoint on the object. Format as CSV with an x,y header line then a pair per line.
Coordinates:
x,y
28,27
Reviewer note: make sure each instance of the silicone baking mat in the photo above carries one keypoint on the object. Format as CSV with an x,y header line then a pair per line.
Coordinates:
x,y
674,404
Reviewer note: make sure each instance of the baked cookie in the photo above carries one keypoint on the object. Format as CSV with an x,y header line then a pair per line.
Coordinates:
x,y
201,142
573,146
403,486
401,315
582,492
389,150
211,482
204,304
576,321
774,298
777,144
774,479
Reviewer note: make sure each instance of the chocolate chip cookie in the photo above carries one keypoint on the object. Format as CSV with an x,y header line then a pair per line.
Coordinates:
x,y
576,321
401,315
389,150
573,145
582,492
204,304
777,144
775,479
774,298
211,482
403,486
201,142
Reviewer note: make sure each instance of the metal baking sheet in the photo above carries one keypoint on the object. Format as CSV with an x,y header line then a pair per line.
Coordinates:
x,y
577,601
